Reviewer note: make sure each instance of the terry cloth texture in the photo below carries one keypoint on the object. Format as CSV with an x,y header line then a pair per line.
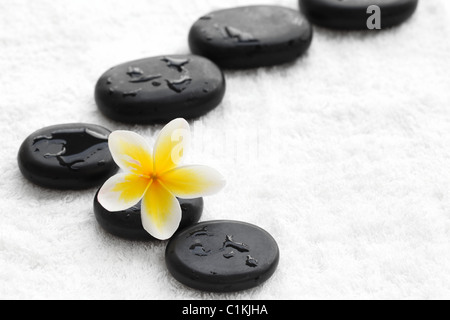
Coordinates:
x,y
343,156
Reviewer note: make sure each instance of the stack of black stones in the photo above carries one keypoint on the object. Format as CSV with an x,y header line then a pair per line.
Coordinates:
x,y
218,256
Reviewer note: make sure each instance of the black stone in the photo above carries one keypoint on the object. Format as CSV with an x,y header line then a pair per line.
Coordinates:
x,y
352,14
250,37
160,89
128,224
222,256
68,156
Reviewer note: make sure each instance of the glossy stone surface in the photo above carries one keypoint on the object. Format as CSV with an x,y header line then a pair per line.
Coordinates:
x,y
160,89
128,225
222,256
352,14
68,156
250,37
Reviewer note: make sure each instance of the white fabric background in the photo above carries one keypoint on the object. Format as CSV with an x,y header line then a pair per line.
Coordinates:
x,y
343,156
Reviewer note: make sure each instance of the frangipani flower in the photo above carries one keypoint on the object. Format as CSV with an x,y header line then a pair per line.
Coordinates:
x,y
156,178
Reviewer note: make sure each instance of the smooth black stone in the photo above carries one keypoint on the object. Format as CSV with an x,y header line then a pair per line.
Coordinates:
x,y
251,37
69,156
128,224
160,89
352,14
222,256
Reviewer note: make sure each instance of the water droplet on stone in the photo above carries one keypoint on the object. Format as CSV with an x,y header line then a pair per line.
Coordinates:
x,y
202,232
133,93
135,72
229,255
239,35
199,250
71,147
97,135
176,63
58,154
179,85
101,163
145,78
251,262
230,243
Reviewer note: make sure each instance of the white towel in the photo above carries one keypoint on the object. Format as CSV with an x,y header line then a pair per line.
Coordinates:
x,y
343,156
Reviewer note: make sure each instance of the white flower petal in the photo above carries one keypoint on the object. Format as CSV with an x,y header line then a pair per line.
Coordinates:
x,y
172,145
160,212
131,152
192,182
122,191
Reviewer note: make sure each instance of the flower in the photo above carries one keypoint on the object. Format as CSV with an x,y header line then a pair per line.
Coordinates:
x,y
156,178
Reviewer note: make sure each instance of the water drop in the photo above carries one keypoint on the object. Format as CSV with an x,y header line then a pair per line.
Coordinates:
x,y
40,138
201,232
133,93
58,154
251,262
97,135
199,250
229,255
75,166
145,78
135,72
101,163
230,243
176,63
179,85
221,31
71,147
240,35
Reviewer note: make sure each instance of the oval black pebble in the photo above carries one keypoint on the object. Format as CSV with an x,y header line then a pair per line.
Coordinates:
x,y
249,37
68,156
128,224
222,256
160,89
352,14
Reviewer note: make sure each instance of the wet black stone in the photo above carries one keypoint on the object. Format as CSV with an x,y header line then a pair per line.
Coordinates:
x,y
250,37
128,224
160,89
68,156
352,14
222,256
